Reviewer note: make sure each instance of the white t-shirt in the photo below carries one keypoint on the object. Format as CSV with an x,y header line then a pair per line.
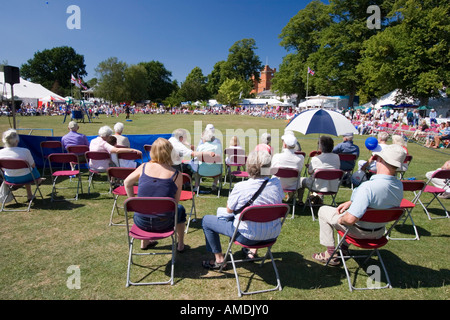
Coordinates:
x,y
17,153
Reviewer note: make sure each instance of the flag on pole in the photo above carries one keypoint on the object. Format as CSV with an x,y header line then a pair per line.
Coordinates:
x,y
80,84
310,71
74,81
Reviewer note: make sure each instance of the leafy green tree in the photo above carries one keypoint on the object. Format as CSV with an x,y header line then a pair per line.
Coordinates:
x,y
215,78
232,90
194,87
159,84
135,83
53,68
411,55
111,80
242,62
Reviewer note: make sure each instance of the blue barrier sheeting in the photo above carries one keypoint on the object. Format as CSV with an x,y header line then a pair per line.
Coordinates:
x,y
33,143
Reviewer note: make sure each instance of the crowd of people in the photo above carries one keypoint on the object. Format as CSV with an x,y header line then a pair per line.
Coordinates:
x,y
161,176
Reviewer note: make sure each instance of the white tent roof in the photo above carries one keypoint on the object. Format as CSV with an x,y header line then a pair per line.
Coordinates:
x,y
270,102
25,90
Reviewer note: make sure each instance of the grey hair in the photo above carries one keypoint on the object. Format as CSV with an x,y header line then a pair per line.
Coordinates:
x,y
397,139
266,138
118,127
10,138
105,132
383,136
208,136
73,125
178,133
258,164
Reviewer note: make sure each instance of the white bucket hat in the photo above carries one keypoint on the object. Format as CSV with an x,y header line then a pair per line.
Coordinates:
x,y
392,154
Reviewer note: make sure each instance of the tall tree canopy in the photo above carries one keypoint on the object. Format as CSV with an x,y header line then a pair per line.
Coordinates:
x,y
194,87
53,68
242,62
111,80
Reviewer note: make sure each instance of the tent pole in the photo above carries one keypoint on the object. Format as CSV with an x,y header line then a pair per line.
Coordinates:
x,y
13,106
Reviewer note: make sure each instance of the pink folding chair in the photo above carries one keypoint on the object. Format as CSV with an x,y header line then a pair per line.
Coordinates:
x,y
48,147
435,192
150,206
311,155
130,156
64,158
14,164
187,195
238,159
289,173
116,176
95,156
80,151
323,174
371,215
259,214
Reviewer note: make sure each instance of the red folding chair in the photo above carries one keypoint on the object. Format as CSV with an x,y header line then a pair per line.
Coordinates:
x,y
401,171
259,214
187,195
435,192
128,156
300,153
311,155
150,206
48,147
116,176
95,156
238,159
371,215
79,151
323,174
415,186
348,157
14,164
64,158
290,173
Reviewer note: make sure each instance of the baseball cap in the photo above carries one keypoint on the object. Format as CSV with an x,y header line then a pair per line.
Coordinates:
x,y
392,154
289,139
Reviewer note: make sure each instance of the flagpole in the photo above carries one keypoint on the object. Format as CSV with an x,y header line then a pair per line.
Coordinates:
x,y
307,82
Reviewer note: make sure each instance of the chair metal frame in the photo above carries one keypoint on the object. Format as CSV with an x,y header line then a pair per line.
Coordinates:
x,y
150,206
290,173
17,164
371,215
118,175
323,174
96,155
435,191
237,158
64,158
259,213
52,145
189,195
217,160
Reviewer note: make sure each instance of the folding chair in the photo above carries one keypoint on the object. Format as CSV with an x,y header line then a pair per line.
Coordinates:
x,y
79,151
290,173
311,155
95,155
323,174
371,215
187,195
236,158
259,214
401,171
64,158
116,176
435,191
348,157
300,153
126,157
48,147
150,206
207,165
14,164
412,186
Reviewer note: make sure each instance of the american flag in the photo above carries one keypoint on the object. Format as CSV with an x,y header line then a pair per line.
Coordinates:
x,y
310,71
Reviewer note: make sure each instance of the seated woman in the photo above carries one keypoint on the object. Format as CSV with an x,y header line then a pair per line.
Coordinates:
x,y
225,222
157,178
12,151
101,144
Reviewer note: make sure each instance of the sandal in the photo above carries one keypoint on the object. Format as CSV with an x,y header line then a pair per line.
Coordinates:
x,y
213,266
150,245
323,257
250,255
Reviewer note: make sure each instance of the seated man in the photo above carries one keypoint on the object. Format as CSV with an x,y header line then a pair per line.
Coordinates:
x,y
382,191
73,137
347,147
326,160
288,159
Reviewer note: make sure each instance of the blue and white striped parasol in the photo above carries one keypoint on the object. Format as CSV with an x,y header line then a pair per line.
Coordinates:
x,y
321,121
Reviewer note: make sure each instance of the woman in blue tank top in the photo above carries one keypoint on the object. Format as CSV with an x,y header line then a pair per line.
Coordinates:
x,y
158,179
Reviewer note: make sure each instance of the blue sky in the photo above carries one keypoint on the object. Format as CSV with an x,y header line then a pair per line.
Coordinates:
x,y
182,34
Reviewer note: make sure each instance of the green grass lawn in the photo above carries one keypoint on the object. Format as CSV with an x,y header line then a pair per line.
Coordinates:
x,y
38,247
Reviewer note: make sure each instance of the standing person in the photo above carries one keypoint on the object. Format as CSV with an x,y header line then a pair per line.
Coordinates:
x,y
370,194
157,178
12,151
225,222
433,116
127,112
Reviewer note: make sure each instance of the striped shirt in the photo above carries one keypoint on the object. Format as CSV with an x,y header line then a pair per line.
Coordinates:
x,y
242,193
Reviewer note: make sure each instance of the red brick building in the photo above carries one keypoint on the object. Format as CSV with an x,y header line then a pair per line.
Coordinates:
x,y
265,82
